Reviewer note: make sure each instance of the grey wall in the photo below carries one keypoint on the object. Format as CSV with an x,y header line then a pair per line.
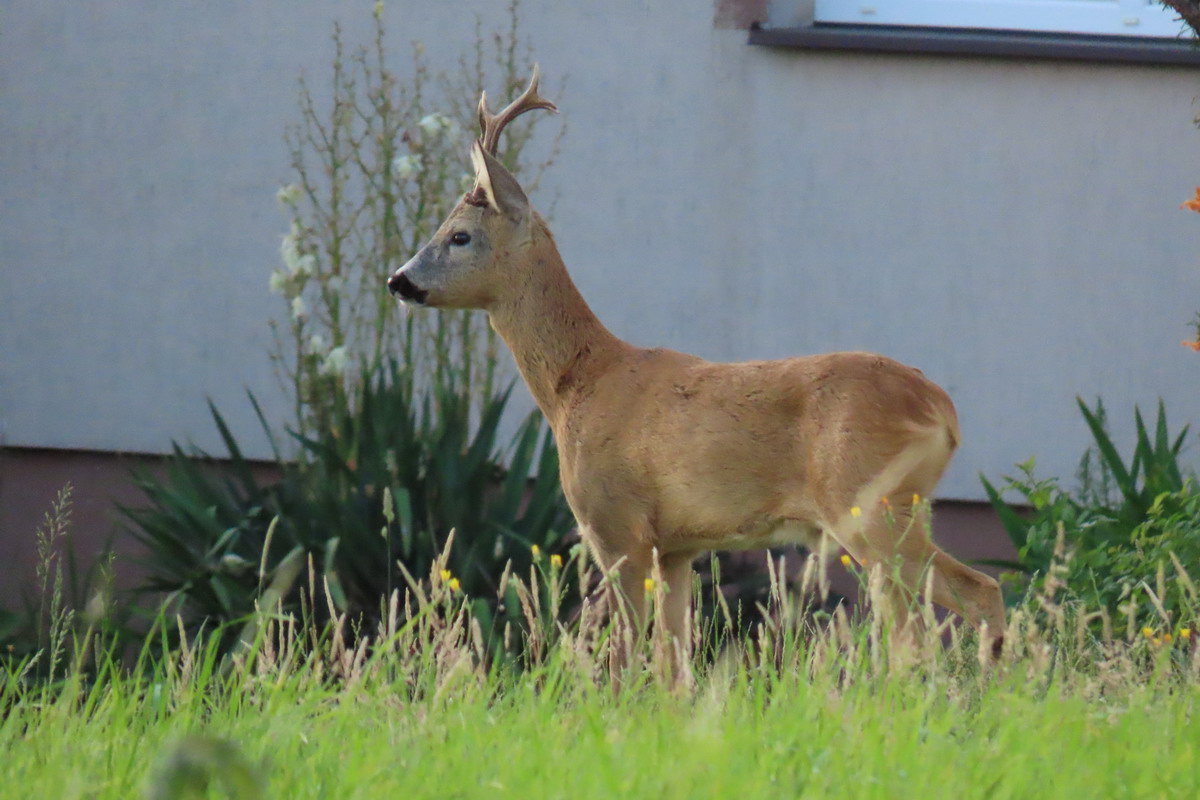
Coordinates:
x,y
1010,227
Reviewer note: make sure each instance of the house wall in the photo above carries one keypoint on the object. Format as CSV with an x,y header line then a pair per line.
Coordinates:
x,y
1009,226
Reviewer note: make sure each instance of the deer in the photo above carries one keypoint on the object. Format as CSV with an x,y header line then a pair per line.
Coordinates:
x,y
665,456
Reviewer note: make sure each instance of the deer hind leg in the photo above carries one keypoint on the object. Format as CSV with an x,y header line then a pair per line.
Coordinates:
x,y
870,536
899,539
891,528
954,586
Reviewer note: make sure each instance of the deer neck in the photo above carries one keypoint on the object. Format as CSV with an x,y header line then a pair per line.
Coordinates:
x,y
559,344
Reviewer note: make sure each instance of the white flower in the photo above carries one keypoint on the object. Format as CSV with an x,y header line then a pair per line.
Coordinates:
x,y
406,165
289,248
436,124
288,196
430,125
335,362
299,309
279,280
306,264
316,345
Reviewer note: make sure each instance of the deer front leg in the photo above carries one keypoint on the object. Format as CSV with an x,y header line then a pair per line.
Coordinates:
x,y
676,571
627,602
625,570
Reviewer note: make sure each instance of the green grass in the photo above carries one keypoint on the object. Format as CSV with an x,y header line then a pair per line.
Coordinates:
x,y
793,737
821,712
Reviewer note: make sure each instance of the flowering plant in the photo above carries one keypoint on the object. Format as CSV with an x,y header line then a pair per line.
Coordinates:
x,y
374,175
1194,343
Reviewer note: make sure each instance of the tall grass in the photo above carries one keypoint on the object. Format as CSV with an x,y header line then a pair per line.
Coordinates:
x,y
799,706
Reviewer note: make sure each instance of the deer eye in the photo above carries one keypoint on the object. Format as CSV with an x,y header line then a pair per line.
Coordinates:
x,y
460,238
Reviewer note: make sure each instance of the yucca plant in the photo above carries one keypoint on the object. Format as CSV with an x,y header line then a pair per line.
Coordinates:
x,y
383,487
439,471
203,529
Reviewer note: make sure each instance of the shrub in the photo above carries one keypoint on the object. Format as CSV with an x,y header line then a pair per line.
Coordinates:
x,y
382,487
1127,541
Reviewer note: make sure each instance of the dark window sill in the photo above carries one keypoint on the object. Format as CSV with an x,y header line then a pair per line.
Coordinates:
x,y
986,43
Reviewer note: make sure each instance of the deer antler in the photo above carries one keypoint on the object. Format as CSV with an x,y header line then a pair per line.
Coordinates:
x,y
491,124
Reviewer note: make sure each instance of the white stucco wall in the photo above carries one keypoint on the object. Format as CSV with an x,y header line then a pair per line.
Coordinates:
x,y
1010,227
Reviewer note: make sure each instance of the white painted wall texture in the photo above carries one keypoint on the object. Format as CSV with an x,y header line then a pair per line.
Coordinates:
x,y
1010,227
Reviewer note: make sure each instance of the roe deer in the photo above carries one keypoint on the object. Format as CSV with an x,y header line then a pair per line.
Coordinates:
x,y
664,455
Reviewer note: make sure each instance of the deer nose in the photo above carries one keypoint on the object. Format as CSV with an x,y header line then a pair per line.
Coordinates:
x,y
399,284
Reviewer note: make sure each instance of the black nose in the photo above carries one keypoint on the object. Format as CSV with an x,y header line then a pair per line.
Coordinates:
x,y
399,284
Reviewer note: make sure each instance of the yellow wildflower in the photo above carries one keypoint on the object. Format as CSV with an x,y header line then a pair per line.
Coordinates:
x,y
855,511
1167,638
1185,633
845,560
916,498
556,561
537,551
1148,632
649,584
454,585
445,574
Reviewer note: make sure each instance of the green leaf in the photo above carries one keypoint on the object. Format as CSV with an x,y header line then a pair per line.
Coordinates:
x,y
1108,452
238,464
1014,525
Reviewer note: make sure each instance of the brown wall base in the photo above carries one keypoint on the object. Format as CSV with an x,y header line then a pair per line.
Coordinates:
x,y
100,482
31,478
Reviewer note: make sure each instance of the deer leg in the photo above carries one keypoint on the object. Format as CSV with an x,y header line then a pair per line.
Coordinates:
x,y
677,575
625,577
901,539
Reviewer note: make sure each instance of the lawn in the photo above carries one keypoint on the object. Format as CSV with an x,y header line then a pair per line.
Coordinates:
x,y
829,711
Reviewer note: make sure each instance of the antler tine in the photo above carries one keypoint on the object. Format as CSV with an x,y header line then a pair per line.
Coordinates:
x,y
492,124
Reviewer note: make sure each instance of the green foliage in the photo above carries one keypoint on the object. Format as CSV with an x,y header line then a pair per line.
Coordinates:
x,y
203,528
383,487
439,472
1125,541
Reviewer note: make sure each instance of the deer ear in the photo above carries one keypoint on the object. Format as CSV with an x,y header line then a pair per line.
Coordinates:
x,y
498,185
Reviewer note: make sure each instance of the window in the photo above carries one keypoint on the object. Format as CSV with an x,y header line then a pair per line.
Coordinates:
x,y
1097,17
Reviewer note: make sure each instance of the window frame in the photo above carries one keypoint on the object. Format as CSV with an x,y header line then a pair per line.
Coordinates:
x,y
794,24
1141,18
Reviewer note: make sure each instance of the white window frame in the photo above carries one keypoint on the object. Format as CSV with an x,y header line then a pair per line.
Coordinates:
x,y
1095,17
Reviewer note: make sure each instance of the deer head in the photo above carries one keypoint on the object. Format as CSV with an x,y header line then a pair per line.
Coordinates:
x,y
469,260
